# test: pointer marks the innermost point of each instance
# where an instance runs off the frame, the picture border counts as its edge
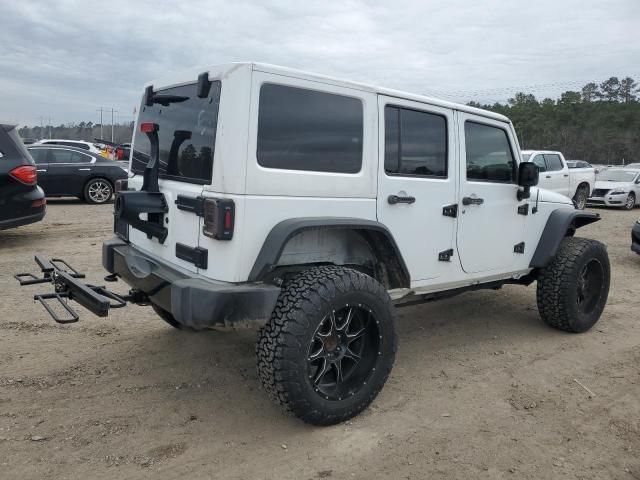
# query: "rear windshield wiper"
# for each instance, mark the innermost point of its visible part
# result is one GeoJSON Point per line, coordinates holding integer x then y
{"type": "Point", "coordinates": [165, 100]}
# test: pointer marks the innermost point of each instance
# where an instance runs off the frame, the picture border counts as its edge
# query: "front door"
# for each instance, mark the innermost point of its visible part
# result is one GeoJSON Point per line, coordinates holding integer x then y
{"type": "Point", "coordinates": [556, 174]}
{"type": "Point", "coordinates": [489, 225]}
{"type": "Point", "coordinates": [68, 171]}
{"type": "Point", "coordinates": [416, 180]}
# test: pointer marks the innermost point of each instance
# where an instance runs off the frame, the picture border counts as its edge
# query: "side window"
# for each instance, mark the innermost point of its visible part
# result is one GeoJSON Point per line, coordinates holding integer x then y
{"type": "Point", "coordinates": [489, 155]}
{"type": "Point", "coordinates": [300, 129]}
{"type": "Point", "coordinates": [415, 142]}
{"type": "Point", "coordinates": [57, 155]}
{"type": "Point", "coordinates": [539, 161]}
{"type": "Point", "coordinates": [39, 155]}
{"type": "Point", "coordinates": [553, 162]}
{"type": "Point", "coordinates": [77, 157]}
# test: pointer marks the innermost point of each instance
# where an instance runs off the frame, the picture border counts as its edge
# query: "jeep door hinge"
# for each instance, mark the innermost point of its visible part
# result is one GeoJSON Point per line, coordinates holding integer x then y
{"type": "Point", "coordinates": [519, 248]}
{"type": "Point", "coordinates": [450, 210]}
{"type": "Point", "coordinates": [445, 256]}
{"type": "Point", "coordinates": [523, 209]}
{"type": "Point", "coordinates": [191, 204]}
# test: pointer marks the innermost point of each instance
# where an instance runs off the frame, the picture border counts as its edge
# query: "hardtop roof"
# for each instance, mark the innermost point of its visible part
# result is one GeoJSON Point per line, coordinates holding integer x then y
{"type": "Point", "coordinates": [227, 68]}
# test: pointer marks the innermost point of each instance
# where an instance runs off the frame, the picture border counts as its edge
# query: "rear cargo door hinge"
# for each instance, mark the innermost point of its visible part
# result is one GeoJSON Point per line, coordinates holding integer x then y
{"type": "Point", "coordinates": [450, 210]}
{"type": "Point", "coordinates": [198, 256]}
{"type": "Point", "coordinates": [519, 248]}
{"type": "Point", "coordinates": [191, 204]}
{"type": "Point", "coordinates": [445, 256]}
{"type": "Point", "coordinates": [523, 209]}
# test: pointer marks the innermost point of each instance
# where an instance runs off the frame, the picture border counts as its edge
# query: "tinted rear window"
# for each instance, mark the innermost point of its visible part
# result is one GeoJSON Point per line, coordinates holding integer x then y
{"type": "Point", "coordinates": [300, 129]}
{"type": "Point", "coordinates": [187, 134]}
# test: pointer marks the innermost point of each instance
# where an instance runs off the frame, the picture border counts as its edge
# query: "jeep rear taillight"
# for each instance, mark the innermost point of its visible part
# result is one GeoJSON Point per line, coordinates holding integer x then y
{"type": "Point", "coordinates": [26, 174]}
{"type": "Point", "coordinates": [219, 218]}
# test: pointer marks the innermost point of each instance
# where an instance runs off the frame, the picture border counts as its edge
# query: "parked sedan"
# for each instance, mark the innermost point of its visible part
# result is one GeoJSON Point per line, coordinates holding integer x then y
{"type": "Point", "coordinates": [21, 200]}
{"type": "Point", "coordinates": [617, 187]}
{"type": "Point", "coordinates": [67, 171]}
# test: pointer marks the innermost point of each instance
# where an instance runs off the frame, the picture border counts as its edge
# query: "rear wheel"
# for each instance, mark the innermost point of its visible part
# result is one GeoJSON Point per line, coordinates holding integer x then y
{"type": "Point", "coordinates": [630, 203]}
{"type": "Point", "coordinates": [572, 290]}
{"type": "Point", "coordinates": [580, 198]}
{"type": "Point", "coordinates": [98, 190]}
{"type": "Point", "coordinates": [329, 346]}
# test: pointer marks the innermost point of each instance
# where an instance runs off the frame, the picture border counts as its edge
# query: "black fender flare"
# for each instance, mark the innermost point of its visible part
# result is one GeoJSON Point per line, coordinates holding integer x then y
{"type": "Point", "coordinates": [561, 223]}
{"type": "Point", "coordinates": [282, 232]}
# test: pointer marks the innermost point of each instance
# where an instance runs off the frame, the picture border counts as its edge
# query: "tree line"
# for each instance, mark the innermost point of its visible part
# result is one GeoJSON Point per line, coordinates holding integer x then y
{"type": "Point", "coordinates": [599, 123]}
{"type": "Point", "coordinates": [88, 131]}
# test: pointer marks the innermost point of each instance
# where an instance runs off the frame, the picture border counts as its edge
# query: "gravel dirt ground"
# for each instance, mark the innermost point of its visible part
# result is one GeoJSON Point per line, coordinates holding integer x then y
{"type": "Point", "coordinates": [480, 389]}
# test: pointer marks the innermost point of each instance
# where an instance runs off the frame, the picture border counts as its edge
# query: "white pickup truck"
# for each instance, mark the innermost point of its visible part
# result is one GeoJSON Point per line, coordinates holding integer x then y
{"type": "Point", "coordinates": [555, 175]}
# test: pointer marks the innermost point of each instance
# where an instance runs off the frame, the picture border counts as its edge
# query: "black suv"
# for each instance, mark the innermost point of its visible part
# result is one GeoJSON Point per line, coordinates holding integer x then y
{"type": "Point", "coordinates": [21, 200]}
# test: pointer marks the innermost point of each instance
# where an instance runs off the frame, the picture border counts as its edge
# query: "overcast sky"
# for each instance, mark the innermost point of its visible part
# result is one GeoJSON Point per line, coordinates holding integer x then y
{"type": "Point", "coordinates": [66, 58]}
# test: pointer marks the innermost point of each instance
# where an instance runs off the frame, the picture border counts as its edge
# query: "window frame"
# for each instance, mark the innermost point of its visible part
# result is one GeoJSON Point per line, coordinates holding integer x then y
{"type": "Point", "coordinates": [514, 180]}
{"type": "Point", "coordinates": [562, 164]}
{"type": "Point", "coordinates": [414, 175]}
{"type": "Point", "coordinates": [315, 90]}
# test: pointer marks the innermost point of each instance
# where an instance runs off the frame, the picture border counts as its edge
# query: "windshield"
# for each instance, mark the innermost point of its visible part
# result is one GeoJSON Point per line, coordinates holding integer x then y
{"type": "Point", "coordinates": [618, 175]}
{"type": "Point", "coordinates": [186, 133]}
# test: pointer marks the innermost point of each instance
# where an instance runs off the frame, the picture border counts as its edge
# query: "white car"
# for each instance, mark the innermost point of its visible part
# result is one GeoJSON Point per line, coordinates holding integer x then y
{"type": "Point", "coordinates": [555, 175]}
{"type": "Point", "coordinates": [71, 143]}
{"type": "Point", "coordinates": [316, 206]}
{"type": "Point", "coordinates": [617, 187]}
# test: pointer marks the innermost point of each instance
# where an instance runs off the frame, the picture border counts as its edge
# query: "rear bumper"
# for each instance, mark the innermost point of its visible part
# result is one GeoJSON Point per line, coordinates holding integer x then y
{"type": "Point", "coordinates": [21, 206]}
{"type": "Point", "coordinates": [635, 238]}
{"type": "Point", "coordinates": [193, 300]}
{"type": "Point", "coordinates": [26, 220]}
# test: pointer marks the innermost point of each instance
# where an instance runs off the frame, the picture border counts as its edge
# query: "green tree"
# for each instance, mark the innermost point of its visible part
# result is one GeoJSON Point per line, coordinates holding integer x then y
{"type": "Point", "coordinates": [628, 90]}
{"type": "Point", "coordinates": [610, 89]}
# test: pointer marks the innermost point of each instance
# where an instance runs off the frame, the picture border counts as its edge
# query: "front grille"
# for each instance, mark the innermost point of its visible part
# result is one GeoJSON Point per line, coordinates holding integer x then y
{"type": "Point", "coordinates": [591, 201]}
{"type": "Point", "coordinates": [599, 192]}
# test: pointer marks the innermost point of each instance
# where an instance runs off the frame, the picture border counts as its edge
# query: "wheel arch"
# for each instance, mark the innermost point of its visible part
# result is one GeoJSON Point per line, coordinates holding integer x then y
{"type": "Point", "coordinates": [391, 269]}
{"type": "Point", "coordinates": [561, 223]}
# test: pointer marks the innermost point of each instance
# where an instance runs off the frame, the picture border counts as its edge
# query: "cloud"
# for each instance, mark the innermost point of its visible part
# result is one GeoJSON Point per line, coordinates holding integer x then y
{"type": "Point", "coordinates": [69, 57]}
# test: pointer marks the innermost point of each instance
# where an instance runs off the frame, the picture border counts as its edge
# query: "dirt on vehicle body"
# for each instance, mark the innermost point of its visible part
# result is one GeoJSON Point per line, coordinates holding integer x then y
{"type": "Point", "coordinates": [481, 387]}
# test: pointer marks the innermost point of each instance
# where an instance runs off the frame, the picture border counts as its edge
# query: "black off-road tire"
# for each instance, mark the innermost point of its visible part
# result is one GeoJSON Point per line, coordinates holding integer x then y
{"type": "Point", "coordinates": [559, 285]}
{"type": "Point", "coordinates": [580, 198]}
{"type": "Point", "coordinates": [283, 346]}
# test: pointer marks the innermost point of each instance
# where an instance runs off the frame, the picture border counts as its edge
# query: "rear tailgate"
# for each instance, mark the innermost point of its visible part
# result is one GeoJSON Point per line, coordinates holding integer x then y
{"type": "Point", "coordinates": [186, 127]}
{"type": "Point", "coordinates": [13, 154]}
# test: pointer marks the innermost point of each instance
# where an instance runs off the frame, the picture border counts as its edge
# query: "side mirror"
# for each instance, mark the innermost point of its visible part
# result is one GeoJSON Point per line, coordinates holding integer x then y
{"type": "Point", "coordinates": [528, 175]}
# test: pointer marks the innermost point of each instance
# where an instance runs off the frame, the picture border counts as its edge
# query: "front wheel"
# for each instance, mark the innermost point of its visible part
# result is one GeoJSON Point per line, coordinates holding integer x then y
{"type": "Point", "coordinates": [98, 190]}
{"type": "Point", "coordinates": [580, 198]}
{"type": "Point", "coordinates": [329, 346]}
{"type": "Point", "coordinates": [572, 290]}
{"type": "Point", "coordinates": [630, 203]}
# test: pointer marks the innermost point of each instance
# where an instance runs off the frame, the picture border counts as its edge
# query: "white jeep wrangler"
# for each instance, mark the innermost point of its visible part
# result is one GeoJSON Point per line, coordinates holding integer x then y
{"type": "Point", "coordinates": [318, 205]}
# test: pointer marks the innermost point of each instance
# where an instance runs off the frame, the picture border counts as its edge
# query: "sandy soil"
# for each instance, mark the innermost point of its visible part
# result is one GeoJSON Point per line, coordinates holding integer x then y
{"type": "Point", "coordinates": [481, 388]}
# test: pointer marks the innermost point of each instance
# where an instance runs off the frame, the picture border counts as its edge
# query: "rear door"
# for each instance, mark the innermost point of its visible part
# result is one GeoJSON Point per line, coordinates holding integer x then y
{"type": "Point", "coordinates": [187, 132]}
{"type": "Point", "coordinates": [489, 225]}
{"type": "Point", "coordinates": [556, 174]}
{"type": "Point", "coordinates": [416, 182]}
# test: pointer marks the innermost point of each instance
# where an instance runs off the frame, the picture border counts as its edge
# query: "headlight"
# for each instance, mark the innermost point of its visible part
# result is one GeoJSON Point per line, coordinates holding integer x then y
{"type": "Point", "coordinates": [618, 190]}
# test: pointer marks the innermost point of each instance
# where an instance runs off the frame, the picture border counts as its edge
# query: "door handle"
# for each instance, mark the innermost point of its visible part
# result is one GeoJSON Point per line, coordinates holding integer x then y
{"type": "Point", "coordinates": [566, 174]}
{"type": "Point", "coordinates": [84, 169]}
{"type": "Point", "coordinates": [393, 199]}
{"type": "Point", "coordinates": [472, 201]}
{"type": "Point", "coordinates": [548, 176]}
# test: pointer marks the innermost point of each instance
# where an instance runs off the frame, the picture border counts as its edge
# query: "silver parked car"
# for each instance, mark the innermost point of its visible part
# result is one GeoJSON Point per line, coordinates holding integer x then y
{"type": "Point", "coordinates": [617, 187]}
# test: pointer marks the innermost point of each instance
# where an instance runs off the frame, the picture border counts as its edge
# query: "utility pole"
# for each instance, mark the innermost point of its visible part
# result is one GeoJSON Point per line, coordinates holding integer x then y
{"type": "Point", "coordinates": [41, 127]}
{"type": "Point", "coordinates": [112, 110]}
{"type": "Point", "coordinates": [101, 133]}
{"type": "Point", "coordinates": [49, 127]}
